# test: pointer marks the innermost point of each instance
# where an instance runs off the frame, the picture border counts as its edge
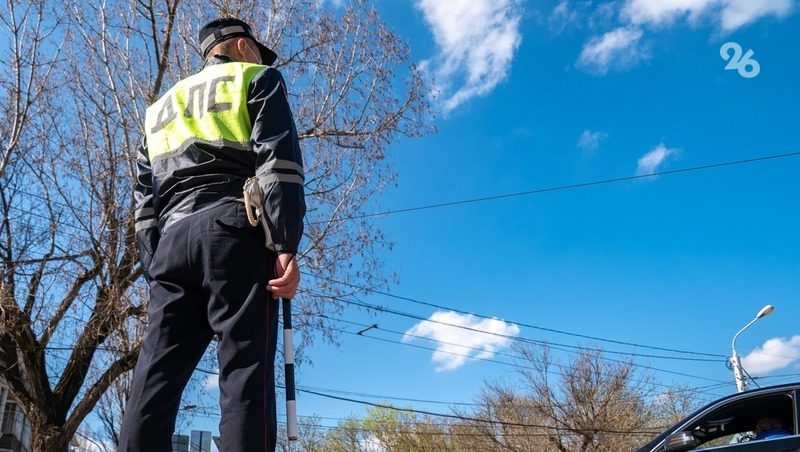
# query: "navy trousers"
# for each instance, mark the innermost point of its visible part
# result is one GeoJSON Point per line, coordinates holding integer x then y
{"type": "Point", "coordinates": [209, 276]}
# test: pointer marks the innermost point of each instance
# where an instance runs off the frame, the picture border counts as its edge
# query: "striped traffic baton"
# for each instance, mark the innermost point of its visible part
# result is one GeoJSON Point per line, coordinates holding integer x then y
{"type": "Point", "coordinates": [288, 361]}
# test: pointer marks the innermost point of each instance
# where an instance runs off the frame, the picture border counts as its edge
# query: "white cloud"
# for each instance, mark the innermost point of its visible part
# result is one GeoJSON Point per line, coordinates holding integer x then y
{"type": "Point", "coordinates": [730, 14]}
{"type": "Point", "coordinates": [664, 12]}
{"type": "Point", "coordinates": [563, 16]}
{"type": "Point", "coordinates": [455, 344]}
{"type": "Point", "coordinates": [624, 46]}
{"type": "Point", "coordinates": [589, 141]}
{"type": "Point", "coordinates": [211, 382]}
{"type": "Point", "coordinates": [776, 353]}
{"type": "Point", "coordinates": [649, 163]}
{"type": "Point", "coordinates": [738, 13]}
{"type": "Point", "coordinates": [581, 14]}
{"type": "Point", "coordinates": [563, 12]}
{"type": "Point", "coordinates": [476, 42]}
{"type": "Point", "coordinates": [617, 49]}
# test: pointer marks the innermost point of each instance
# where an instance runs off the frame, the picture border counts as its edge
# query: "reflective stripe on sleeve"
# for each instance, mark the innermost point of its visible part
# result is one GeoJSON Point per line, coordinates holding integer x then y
{"type": "Point", "coordinates": [280, 177]}
{"type": "Point", "coordinates": [144, 212]}
{"type": "Point", "coordinates": [146, 224]}
{"type": "Point", "coordinates": [283, 164]}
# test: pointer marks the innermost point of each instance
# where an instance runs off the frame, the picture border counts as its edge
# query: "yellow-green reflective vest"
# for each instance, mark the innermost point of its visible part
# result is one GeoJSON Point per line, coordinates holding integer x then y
{"type": "Point", "coordinates": [209, 106]}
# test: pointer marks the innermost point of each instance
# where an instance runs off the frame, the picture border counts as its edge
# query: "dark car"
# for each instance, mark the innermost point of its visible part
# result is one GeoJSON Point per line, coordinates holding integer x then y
{"type": "Point", "coordinates": [728, 424]}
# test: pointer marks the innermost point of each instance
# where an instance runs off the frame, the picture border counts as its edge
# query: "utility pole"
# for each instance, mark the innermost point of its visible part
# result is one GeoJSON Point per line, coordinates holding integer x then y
{"type": "Point", "coordinates": [736, 363]}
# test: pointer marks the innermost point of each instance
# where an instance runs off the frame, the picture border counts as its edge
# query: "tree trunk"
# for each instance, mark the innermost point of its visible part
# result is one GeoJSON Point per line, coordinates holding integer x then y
{"type": "Point", "coordinates": [49, 438]}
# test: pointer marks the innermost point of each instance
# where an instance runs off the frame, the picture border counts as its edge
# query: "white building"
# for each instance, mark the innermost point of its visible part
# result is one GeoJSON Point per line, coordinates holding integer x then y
{"type": "Point", "coordinates": [15, 428]}
{"type": "Point", "coordinates": [199, 441]}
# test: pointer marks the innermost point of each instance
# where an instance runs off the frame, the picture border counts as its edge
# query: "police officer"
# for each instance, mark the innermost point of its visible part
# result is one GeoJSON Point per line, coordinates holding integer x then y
{"type": "Point", "coordinates": [209, 270]}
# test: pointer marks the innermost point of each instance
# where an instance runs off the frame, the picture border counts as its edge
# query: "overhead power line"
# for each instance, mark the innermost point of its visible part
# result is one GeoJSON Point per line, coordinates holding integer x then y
{"type": "Point", "coordinates": [512, 356]}
{"type": "Point", "coordinates": [520, 366]}
{"type": "Point", "coordinates": [550, 344]}
{"type": "Point", "coordinates": [480, 420]}
{"type": "Point", "coordinates": [696, 389]}
{"type": "Point", "coordinates": [527, 325]}
{"type": "Point", "coordinates": [670, 390]}
{"type": "Point", "coordinates": [537, 191]}
{"type": "Point", "coordinates": [514, 194]}
{"type": "Point", "coordinates": [421, 433]}
{"type": "Point", "coordinates": [390, 397]}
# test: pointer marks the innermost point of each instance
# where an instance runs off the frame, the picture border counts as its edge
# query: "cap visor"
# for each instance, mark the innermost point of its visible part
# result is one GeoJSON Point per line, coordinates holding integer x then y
{"type": "Point", "coordinates": [267, 56]}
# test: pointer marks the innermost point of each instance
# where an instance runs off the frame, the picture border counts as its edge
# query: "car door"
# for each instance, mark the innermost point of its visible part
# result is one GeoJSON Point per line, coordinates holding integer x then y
{"type": "Point", "coordinates": [786, 444]}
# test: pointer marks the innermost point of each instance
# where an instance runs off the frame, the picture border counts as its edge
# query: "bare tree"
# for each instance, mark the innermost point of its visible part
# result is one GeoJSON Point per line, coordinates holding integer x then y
{"type": "Point", "coordinates": [60, 254]}
{"type": "Point", "coordinates": [74, 89]}
{"type": "Point", "coordinates": [311, 437]}
{"type": "Point", "coordinates": [33, 50]}
{"type": "Point", "coordinates": [591, 404]}
{"type": "Point", "coordinates": [386, 429]}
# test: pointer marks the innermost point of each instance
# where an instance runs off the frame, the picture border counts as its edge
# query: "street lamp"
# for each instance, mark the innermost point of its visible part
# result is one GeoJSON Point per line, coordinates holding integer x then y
{"type": "Point", "coordinates": [738, 372]}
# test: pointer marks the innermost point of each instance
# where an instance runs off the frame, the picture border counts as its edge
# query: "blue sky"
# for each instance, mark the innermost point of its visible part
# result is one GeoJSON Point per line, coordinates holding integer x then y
{"type": "Point", "coordinates": [542, 94]}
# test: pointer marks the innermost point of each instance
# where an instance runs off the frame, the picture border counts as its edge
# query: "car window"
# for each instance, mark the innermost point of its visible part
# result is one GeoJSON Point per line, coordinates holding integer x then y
{"type": "Point", "coordinates": [735, 422]}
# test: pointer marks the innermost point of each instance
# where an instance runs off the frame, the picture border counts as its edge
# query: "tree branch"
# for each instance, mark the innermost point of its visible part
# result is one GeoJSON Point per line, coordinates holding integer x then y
{"type": "Point", "coordinates": [69, 298]}
{"type": "Point", "coordinates": [93, 394]}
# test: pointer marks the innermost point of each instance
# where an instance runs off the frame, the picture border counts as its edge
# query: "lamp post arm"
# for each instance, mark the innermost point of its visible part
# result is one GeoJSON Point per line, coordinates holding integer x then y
{"type": "Point", "coordinates": [733, 343]}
